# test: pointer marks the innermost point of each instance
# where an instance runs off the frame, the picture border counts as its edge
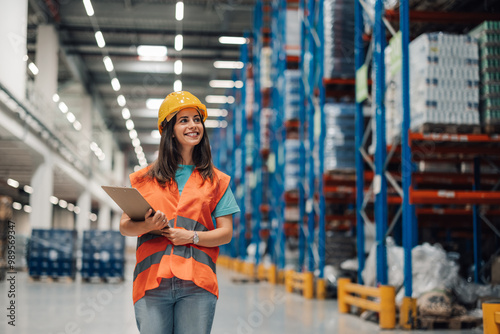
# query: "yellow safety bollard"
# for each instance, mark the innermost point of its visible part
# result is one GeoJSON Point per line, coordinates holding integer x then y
{"type": "Point", "coordinates": [281, 276]}
{"type": "Point", "coordinates": [261, 271]}
{"type": "Point", "coordinates": [271, 274]}
{"type": "Point", "coordinates": [408, 313]}
{"type": "Point", "coordinates": [289, 281]}
{"type": "Point", "coordinates": [491, 317]}
{"type": "Point", "coordinates": [321, 289]}
{"type": "Point", "coordinates": [308, 285]}
{"type": "Point", "coordinates": [342, 294]}
{"type": "Point", "coordinates": [387, 307]}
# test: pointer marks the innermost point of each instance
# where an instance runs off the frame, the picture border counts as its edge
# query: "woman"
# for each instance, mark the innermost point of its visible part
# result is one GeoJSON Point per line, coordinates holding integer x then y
{"type": "Point", "coordinates": [175, 286]}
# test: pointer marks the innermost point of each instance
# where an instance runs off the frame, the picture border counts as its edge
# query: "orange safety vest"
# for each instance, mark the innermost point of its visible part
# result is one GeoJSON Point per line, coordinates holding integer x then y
{"type": "Point", "coordinates": [156, 256]}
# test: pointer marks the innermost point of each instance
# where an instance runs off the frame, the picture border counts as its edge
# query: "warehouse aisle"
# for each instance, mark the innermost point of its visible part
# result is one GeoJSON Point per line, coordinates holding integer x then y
{"type": "Point", "coordinates": [243, 308]}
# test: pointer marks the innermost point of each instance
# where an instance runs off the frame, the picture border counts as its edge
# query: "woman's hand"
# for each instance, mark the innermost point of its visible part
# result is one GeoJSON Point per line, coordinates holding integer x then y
{"type": "Point", "coordinates": [156, 222]}
{"type": "Point", "coordinates": [178, 236]}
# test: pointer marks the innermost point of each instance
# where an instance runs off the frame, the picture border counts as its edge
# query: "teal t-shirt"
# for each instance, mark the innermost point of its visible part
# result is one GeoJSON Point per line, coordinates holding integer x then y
{"type": "Point", "coordinates": [227, 204]}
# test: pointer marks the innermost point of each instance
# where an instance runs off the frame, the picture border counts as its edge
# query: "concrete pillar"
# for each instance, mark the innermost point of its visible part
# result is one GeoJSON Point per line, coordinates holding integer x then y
{"type": "Point", "coordinates": [104, 217]}
{"type": "Point", "coordinates": [107, 148]}
{"type": "Point", "coordinates": [42, 182]}
{"type": "Point", "coordinates": [85, 118]}
{"type": "Point", "coordinates": [82, 219]}
{"type": "Point", "coordinates": [119, 167]}
{"type": "Point", "coordinates": [47, 55]}
{"type": "Point", "coordinates": [115, 221]}
{"type": "Point", "coordinates": [13, 24]}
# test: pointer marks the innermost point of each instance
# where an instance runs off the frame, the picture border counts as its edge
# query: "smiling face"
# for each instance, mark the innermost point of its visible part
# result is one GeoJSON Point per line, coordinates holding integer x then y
{"type": "Point", "coordinates": [188, 128]}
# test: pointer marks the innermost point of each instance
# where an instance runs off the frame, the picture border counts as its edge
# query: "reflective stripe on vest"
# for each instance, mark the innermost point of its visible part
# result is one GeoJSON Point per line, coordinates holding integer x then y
{"type": "Point", "coordinates": [156, 257]}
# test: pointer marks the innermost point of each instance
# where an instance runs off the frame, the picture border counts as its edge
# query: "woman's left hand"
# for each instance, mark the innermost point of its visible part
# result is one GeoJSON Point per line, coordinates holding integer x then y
{"type": "Point", "coordinates": [178, 236]}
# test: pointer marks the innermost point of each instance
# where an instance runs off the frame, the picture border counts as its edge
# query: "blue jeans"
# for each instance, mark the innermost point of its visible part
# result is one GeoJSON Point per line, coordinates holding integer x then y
{"type": "Point", "coordinates": [176, 306]}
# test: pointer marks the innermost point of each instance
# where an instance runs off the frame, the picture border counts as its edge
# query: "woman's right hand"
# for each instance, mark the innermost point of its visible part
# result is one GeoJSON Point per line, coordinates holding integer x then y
{"type": "Point", "coordinates": [156, 222]}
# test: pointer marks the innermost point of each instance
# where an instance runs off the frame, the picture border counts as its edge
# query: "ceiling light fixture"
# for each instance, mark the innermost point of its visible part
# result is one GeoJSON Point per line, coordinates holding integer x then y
{"type": "Point", "coordinates": [220, 99]}
{"type": "Point", "coordinates": [100, 39]}
{"type": "Point", "coordinates": [132, 134]}
{"type": "Point", "coordinates": [129, 124]}
{"type": "Point", "coordinates": [28, 189]}
{"type": "Point", "coordinates": [77, 125]}
{"type": "Point", "coordinates": [177, 86]}
{"type": "Point", "coordinates": [27, 209]}
{"type": "Point", "coordinates": [228, 64]}
{"type": "Point", "coordinates": [55, 98]}
{"type": "Point", "coordinates": [179, 11]}
{"type": "Point", "coordinates": [136, 142]}
{"type": "Point", "coordinates": [233, 40]}
{"type": "Point", "coordinates": [63, 107]}
{"type": "Point", "coordinates": [178, 67]}
{"type": "Point", "coordinates": [217, 112]}
{"type": "Point", "coordinates": [108, 63]}
{"type": "Point", "coordinates": [17, 206]}
{"type": "Point", "coordinates": [115, 84]}
{"type": "Point", "coordinates": [121, 100]}
{"type": "Point", "coordinates": [179, 42]}
{"type": "Point", "coordinates": [88, 7]}
{"type": "Point", "coordinates": [54, 200]}
{"type": "Point", "coordinates": [13, 183]}
{"type": "Point", "coordinates": [125, 113]}
{"type": "Point", "coordinates": [155, 134]}
{"type": "Point", "coordinates": [33, 68]}
{"type": "Point", "coordinates": [152, 52]}
{"type": "Point", "coordinates": [154, 104]}
{"type": "Point", "coordinates": [225, 84]}
{"type": "Point", "coordinates": [71, 117]}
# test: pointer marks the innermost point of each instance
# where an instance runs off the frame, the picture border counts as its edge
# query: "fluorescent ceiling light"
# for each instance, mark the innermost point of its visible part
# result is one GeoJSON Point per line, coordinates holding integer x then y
{"type": "Point", "coordinates": [101, 156]}
{"type": "Point", "coordinates": [152, 52]}
{"type": "Point", "coordinates": [71, 207]}
{"type": "Point", "coordinates": [178, 67]}
{"type": "Point", "coordinates": [13, 183]}
{"type": "Point", "coordinates": [221, 99]}
{"type": "Point", "coordinates": [76, 210]}
{"type": "Point", "coordinates": [115, 84]}
{"type": "Point", "coordinates": [217, 112]}
{"type": "Point", "coordinates": [27, 209]}
{"type": "Point", "coordinates": [25, 58]}
{"type": "Point", "coordinates": [77, 125]}
{"type": "Point", "coordinates": [125, 113]}
{"type": "Point", "coordinates": [55, 98]}
{"type": "Point", "coordinates": [100, 39]}
{"type": "Point", "coordinates": [71, 117]}
{"type": "Point", "coordinates": [138, 149]}
{"type": "Point", "coordinates": [33, 68]}
{"type": "Point", "coordinates": [88, 7]}
{"type": "Point", "coordinates": [179, 11]}
{"type": "Point", "coordinates": [155, 134]}
{"type": "Point", "coordinates": [154, 104]}
{"type": "Point", "coordinates": [177, 86]}
{"type": "Point", "coordinates": [141, 156]}
{"type": "Point", "coordinates": [129, 124]}
{"type": "Point", "coordinates": [63, 107]}
{"type": "Point", "coordinates": [136, 142]}
{"type": "Point", "coordinates": [93, 217]}
{"type": "Point", "coordinates": [225, 84]}
{"type": "Point", "coordinates": [232, 40]}
{"type": "Point", "coordinates": [28, 189]}
{"type": "Point", "coordinates": [108, 64]}
{"type": "Point", "coordinates": [54, 200]}
{"type": "Point", "coordinates": [17, 206]}
{"type": "Point", "coordinates": [179, 42]}
{"type": "Point", "coordinates": [93, 146]}
{"type": "Point", "coordinates": [121, 100]}
{"type": "Point", "coordinates": [63, 204]}
{"type": "Point", "coordinates": [132, 134]}
{"type": "Point", "coordinates": [228, 64]}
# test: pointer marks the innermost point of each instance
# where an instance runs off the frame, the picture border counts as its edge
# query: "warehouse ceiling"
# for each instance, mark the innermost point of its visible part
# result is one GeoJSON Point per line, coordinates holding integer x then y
{"type": "Point", "coordinates": [127, 24]}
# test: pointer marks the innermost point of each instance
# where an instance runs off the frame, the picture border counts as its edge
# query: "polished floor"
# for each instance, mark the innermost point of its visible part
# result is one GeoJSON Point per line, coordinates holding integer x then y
{"type": "Point", "coordinates": [243, 308]}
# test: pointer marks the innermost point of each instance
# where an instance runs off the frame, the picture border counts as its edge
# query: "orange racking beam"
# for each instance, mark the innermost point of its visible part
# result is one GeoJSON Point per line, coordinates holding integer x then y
{"type": "Point", "coordinates": [444, 17]}
{"type": "Point", "coordinates": [453, 197]}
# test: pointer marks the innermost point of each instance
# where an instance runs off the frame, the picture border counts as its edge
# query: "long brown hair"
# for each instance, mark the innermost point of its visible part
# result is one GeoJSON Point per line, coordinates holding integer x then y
{"type": "Point", "coordinates": [169, 156]}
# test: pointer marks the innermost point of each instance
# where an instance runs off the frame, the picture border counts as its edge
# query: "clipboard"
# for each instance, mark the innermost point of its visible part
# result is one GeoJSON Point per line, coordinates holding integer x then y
{"type": "Point", "coordinates": [130, 201]}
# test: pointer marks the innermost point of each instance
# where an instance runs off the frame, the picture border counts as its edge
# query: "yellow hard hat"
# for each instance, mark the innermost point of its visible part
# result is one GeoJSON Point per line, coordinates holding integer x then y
{"type": "Point", "coordinates": [175, 102]}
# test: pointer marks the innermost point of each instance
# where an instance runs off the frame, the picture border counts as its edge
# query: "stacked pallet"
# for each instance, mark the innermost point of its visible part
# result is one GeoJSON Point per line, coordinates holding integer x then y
{"type": "Point", "coordinates": [51, 253]}
{"type": "Point", "coordinates": [444, 83]}
{"type": "Point", "coordinates": [339, 140]}
{"type": "Point", "coordinates": [488, 37]}
{"type": "Point", "coordinates": [103, 255]}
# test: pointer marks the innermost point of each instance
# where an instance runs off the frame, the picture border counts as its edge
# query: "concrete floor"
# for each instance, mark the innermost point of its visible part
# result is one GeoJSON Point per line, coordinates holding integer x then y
{"type": "Point", "coordinates": [243, 308]}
